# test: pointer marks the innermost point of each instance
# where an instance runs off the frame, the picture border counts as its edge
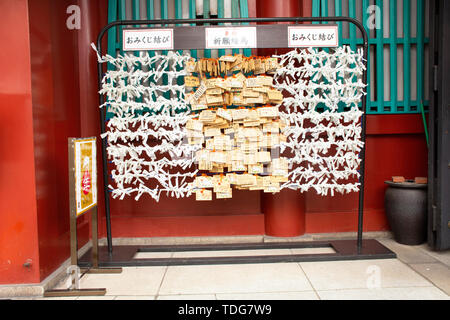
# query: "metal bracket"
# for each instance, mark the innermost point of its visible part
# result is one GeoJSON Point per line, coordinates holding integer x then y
{"type": "Point", "coordinates": [74, 289]}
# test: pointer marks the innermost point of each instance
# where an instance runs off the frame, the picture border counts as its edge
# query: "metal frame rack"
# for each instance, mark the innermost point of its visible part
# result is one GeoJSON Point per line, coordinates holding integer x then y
{"type": "Point", "coordinates": [344, 249]}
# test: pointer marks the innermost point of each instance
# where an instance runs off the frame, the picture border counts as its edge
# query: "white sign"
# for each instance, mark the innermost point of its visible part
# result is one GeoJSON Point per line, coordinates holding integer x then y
{"type": "Point", "coordinates": [147, 39]}
{"type": "Point", "coordinates": [313, 36]}
{"type": "Point", "coordinates": [232, 37]}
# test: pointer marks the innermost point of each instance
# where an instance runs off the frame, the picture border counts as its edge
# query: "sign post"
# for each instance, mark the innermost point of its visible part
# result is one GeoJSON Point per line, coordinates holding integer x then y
{"type": "Point", "coordinates": [82, 199]}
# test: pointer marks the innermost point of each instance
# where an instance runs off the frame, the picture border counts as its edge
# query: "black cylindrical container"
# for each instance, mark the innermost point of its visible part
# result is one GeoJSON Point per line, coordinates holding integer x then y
{"type": "Point", "coordinates": [406, 210]}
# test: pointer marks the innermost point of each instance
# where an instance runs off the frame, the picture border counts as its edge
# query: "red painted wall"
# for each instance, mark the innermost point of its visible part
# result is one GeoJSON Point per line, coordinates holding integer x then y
{"type": "Point", "coordinates": [56, 117]}
{"type": "Point", "coordinates": [93, 19]}
{"type": "Point", "coordinates": [47, 94]}
{"type": "Point", "coordinates": [18, 227]}
{"type": "Point", "coordinates": [64, 105]}
{"type": "Point", "coordinates": [395, 145]}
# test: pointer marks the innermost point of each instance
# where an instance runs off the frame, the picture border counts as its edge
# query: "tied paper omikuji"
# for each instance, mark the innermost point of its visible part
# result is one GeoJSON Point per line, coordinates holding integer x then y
{"type": "Point", "coordinates": [182, 126]}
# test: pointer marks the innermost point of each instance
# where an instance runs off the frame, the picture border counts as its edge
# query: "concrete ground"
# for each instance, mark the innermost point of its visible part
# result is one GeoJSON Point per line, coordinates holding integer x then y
{"type": "Point", "coordinates": [417, 273]}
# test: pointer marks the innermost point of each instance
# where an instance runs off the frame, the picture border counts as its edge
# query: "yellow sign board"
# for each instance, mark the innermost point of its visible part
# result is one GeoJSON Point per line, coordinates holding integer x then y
{"type": "Point", "coordinates": [85, 174]}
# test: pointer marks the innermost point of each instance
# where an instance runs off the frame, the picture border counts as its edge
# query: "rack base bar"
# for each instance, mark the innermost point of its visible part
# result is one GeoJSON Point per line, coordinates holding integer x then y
{"type": "Point", "coordinates": [75, 293]}
{"type": "Point", "coordinates": [123, 256]}
{"type": "Point", "coordinates": [101, 270]}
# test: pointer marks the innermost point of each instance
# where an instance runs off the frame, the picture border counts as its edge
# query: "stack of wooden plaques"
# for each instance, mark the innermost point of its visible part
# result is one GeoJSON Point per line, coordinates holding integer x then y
{"type": "Point", "coordinates": [239, 129]}
{"type": "Point", "coordinates": [232, 63]}
{"type": "Point", "coordinates": [236, 90]}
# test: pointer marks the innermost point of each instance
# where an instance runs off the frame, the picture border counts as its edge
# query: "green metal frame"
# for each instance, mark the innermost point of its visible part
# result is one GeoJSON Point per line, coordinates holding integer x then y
{"type": "Point", "coordinates": [378, 104]}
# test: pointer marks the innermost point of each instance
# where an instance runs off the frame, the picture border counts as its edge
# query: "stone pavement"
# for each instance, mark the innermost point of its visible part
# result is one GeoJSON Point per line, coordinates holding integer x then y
{"type": "Point", "coordinates": [418, 273]}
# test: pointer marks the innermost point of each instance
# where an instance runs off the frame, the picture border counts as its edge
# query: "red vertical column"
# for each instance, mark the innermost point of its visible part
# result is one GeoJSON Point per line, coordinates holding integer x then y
{"type": "Point", "coordinates": [19, 251]}
{"type": "Point", "coordinates": [93, 18]}
{"type": "Point", "coordinates": [284, 212]}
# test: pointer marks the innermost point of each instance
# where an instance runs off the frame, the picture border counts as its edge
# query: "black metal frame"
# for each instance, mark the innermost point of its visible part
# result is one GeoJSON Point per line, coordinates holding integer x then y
{"type": "Point", "coordinates": [124, 256]}
{"type": "Point", "coordinates": [350, 250]}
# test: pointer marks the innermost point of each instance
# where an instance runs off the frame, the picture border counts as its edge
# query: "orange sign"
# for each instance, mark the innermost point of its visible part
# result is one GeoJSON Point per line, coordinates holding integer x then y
{"type": "Point", "coordinates": [85, 174]}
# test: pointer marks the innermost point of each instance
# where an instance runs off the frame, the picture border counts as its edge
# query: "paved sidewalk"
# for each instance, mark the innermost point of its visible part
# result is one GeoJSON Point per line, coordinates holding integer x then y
{"type": "Point", "coordinates": [417, 273]}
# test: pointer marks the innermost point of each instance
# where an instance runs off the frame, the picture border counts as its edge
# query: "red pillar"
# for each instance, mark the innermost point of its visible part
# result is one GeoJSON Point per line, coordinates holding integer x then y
{"type": "Point", "coordinates": [19, 251]}
{"type": "Point", "coordinates": [284, 212]}
{"type": "Point", "coordinates": [276, 8]}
